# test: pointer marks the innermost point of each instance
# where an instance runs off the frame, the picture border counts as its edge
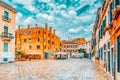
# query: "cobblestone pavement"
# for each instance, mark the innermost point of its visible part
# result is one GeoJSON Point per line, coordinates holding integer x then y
{"type": "Point", "coordinates": [70, 69]}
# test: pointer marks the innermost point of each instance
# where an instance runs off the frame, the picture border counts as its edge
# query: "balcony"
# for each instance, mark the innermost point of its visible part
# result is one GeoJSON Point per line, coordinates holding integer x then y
{"type": "Point", "coordinates": [6, 36]}
{"type": "Point", "coordinates": [116, 12]}
{"type": "Point", "coordinates": [6, 18]}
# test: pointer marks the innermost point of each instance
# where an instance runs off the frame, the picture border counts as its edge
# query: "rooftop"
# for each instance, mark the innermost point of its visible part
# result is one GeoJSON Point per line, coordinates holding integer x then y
{"type": "Point", "coordinates": [7, 6]}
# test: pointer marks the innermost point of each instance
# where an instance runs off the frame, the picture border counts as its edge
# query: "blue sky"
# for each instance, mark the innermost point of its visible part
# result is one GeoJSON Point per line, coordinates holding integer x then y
{"type": "Point", "coordinates": [70, 18]}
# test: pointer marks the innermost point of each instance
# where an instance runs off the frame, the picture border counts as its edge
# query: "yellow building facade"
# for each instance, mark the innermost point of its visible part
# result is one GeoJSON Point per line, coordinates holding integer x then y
{"type": "Point", "coordinates": [37, 40]}
{"type": "Point", "coordinates": [7, 32]}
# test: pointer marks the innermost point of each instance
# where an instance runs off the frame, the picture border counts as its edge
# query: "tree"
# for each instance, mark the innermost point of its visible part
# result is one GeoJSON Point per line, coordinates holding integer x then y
{"type": "Point", "coordinates": [81, 50]}
{"type": "Point", "coordinates": [19, 53]}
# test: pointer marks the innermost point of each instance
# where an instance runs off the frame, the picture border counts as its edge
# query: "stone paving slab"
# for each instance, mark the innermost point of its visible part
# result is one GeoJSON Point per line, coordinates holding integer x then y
{"type": "Point", "coordinates": [70, 69]}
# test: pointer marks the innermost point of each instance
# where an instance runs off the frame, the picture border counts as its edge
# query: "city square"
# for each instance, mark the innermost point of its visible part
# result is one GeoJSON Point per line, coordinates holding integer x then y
{"type": "Point", "coordinates": [69, 69]}
{"type": "Point", "coordinates": [59, 39]}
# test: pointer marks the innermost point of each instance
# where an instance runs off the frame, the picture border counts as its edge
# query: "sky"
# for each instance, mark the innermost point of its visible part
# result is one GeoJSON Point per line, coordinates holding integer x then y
{"type": "Point", "coordinates": [70, 18]}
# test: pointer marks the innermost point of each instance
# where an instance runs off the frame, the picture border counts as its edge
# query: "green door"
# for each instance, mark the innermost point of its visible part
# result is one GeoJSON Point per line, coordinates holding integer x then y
{"type": "Point", "coordinates": [5, 47]}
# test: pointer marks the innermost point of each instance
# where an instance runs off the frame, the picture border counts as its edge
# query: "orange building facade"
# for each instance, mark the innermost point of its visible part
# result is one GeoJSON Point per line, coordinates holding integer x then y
{"type": "Point", "coordinates": [37, 41]}
{"type": "Point", "coordinates": [80, 40]}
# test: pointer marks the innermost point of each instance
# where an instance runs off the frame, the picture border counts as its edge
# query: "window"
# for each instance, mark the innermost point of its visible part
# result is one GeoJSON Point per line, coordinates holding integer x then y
{"type": "Point", "coordinates": [25, 33]}
{"type": "Point", "coordinates": [49, 35]}
{"type": "Point", "coordinates": [24, 40]}
{"type": "Point", "coordinates": [104, 46]}
{"type": "Point", "coordinates": [20, 33]}
{"type": "Point", "coordinates": [101, 53]}
{"type": "Point", "coordinates": [44, 47]}
{"type": "Point", "coordinates": [38, 40]}
{"type": "Point", "coordinates": [5, 59]}
{"type": "Point", "coordinates": [64, 46]}
{"type": "Point", "coordinates": [44, 40]}
{"type": "Point", "coordinates": [38, 32]}
{"type": "Point", "coordinates": [118, 58]}
{"type": "Point", "coordinates": [71, 46]}
{"type": "Point", "coordinates": [38, 46]}
{"type": "Point", "coordinates": [48, 41]}
{"type": "Point", "coordinates": [109, 61]}
{"type": "Point", "coordinates": [52, 36]}
{"type": "Point", "coordinates": [30, 40]}
{"type": "Point", "coordinates": [30, 32]}
{"type": "Point", "coordinates": [30, 47]}
{"type": "Point", "coordinates": [117, 2]}
{"type": "Point", "coordinates": [6, 15]}
{"type": "Point", "coordinates": [104, 59]}
{"type": "Point", "coordinates": [99, 34]}
{"type": "Point", "coordinates": [110, 13]}
{"type": "Point", "coordinates": [5, 47]}
{"type": "Point", "coordinates": [53, 43]}
{"type": "Point", "coordinates": [5, 29]}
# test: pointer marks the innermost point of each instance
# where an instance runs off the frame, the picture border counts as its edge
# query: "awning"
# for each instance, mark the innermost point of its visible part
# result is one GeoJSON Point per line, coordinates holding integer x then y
{"type": "Point", "coordinates": [48, 53]}
{"type": "Point", "coordinates": [35, 52]}
{"type": "Point", "coordinates": [60, 53]}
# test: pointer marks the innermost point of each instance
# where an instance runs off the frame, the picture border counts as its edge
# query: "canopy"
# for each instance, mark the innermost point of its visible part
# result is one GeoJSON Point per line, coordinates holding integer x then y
{"type": "Point", "coordinates": [60, 53]}
{"type": "Point", "coordinates": [47, 53]}
{"type": "Point", "coordinates": [34, 52]}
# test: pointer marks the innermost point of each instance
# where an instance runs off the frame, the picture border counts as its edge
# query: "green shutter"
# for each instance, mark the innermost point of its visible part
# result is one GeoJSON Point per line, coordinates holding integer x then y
{"type": "Point", "coordinates": [6, 29]}
{"type": "Point", "coordinates": [6, 15]}
{"type": "Point", "coordinates": [5, 47]}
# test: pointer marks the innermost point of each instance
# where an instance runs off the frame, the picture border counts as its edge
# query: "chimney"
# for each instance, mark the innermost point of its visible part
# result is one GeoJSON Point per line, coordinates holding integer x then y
{"type": "Point", "coordinates": [19, 27]}
{"type": "Point", "coordinates": [46, 26]}
{"type": "Point", "coordinates": [28, 26]}
{"type": "Point", "coordinates": [54, 31]}
{"type": "Point", "coordinates": [50, 29]}
{"type": "Point", "coordinates": [36, 25]}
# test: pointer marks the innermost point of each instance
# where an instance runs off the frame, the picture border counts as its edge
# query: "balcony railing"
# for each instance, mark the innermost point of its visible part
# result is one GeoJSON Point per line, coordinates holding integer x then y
{"type": "Point", "coordinates": [7, 36]}
{"type": "Point", "coordinates": [6, 18]}
{"type": "Point", "coordinates": [116, 12]}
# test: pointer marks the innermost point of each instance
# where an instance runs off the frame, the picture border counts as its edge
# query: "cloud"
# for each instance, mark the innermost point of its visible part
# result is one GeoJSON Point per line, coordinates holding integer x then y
{"type": "Point", "coordinates": [46, 1]}
{"type": "Point", "coordinates": [23, 2]}
{"type": "Point", "coordinates": [45, 16]}
{"type": "Point", "coordinates": [73, 18]}
{"type": "Point", "coordinates": [29, 21]}
{"type": "Point", "coordinates": [70, 14]}
{"type": "Point", "coordinates": [75, 30]}
{"type": "Point", "coordinates": [27, 4]}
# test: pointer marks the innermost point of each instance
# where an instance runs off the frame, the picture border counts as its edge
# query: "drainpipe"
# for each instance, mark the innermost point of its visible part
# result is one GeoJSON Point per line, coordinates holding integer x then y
{"type": "Point", "coordinates": [115, 56]}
